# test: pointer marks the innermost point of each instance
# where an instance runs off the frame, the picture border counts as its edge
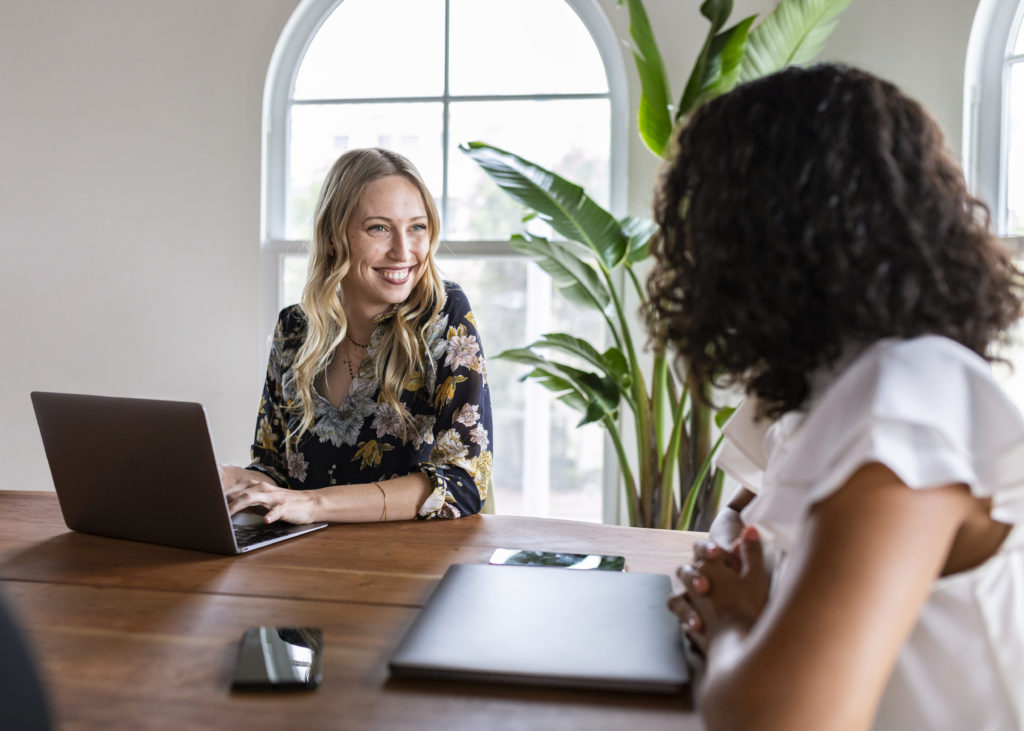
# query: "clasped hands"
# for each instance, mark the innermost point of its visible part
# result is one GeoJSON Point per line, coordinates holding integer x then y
{"type": "Point", "coordinates": [722, 587]}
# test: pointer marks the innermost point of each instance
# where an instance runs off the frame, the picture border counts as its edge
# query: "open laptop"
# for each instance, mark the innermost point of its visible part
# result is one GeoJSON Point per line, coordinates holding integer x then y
{"type": "Point", "coordinates": [536, 625]}
{"type": "Point", "coordinates": [144, 470]}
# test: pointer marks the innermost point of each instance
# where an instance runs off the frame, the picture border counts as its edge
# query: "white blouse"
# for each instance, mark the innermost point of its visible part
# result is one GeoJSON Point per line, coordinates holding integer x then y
{"type": "Point", "coordinates": [929, 409]}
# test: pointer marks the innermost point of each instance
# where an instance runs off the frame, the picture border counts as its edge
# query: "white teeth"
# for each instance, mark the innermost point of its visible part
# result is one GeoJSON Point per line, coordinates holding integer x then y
{"type": "Point", "coordinates": [395, 276]}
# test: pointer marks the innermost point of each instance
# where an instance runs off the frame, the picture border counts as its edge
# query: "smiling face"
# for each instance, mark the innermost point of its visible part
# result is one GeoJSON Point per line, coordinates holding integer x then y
{"type": "Point", "coordinates": [389, 242]}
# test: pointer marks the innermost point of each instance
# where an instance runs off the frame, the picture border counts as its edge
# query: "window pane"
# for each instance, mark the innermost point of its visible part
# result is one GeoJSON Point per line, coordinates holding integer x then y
{"type": "Point", "coordinates": [1015, 153]}
{"type": "Point", "coordinates": [293, 278]}
{"type": "Point", "coordinates": [320, 133]}
{"type": "Point", "coordinates": [374, 49]}
{"type": "Point", "coordinates": [522, 47]}
{"type": "Point", "coordinates": [1018, 47]}
{"type": "Point", "coordinates": [571, 138]}
{"type": "Point", "coordinates": [536, 440]}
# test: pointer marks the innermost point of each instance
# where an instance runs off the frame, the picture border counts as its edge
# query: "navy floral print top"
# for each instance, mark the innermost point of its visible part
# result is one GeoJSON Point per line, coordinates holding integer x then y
{"type": "Point", "coordinates": [362, 441]}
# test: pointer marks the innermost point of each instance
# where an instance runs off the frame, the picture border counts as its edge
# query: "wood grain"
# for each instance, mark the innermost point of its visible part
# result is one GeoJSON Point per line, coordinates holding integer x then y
{"type": "Point", "coordinates": [131, 635]}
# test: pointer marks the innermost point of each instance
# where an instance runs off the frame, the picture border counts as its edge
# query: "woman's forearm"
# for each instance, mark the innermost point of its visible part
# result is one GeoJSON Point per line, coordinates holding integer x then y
{"type": "Point", "coordinates": [399, 498]}
{"type": "Point", "coordinates": [721, 696]}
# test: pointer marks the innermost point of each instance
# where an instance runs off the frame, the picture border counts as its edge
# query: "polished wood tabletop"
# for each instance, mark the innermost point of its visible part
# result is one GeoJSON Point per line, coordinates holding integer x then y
{"type": "Point", "coordinates": [133, 635]}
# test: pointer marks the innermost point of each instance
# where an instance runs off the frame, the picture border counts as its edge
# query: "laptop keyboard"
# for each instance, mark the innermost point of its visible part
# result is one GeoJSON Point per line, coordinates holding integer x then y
{"type": "Point", "coordinates": [246, 535]}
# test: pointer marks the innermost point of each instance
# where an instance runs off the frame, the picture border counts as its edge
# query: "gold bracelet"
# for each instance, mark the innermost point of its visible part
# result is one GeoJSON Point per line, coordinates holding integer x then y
{"type": "Point", "coordinates": [384, 495]}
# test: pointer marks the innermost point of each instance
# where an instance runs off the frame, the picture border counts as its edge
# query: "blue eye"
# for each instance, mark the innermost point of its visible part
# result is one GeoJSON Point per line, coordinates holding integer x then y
{"type": "Point", "coordinates": [376, 227]}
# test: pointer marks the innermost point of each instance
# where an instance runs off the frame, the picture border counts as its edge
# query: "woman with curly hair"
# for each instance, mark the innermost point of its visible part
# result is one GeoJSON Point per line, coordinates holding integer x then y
{"type": "Point", "coordinates": [376, 405]}
{"type": "Point", "coordinates": [819, 248]}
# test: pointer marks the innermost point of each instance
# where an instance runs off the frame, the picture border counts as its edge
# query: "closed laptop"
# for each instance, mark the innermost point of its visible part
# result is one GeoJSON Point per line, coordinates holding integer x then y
{"type": "Point", "coordinates": [547, 626]}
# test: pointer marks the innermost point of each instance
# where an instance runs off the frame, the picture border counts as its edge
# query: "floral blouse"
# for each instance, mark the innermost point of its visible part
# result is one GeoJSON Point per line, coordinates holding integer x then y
{"type": "Point", "coordinates": [362, 441]}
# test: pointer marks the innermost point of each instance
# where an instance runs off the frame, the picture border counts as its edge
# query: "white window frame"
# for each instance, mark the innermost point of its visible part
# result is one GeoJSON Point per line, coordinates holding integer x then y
{"type": "Point", "coordinates": [284, 65]}
{"type": "Point", "coordinates": [986, 83]}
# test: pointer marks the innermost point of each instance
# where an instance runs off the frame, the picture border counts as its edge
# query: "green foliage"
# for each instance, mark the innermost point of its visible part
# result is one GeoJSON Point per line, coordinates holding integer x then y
{"type": "Point", "coordinates": [668, 478]}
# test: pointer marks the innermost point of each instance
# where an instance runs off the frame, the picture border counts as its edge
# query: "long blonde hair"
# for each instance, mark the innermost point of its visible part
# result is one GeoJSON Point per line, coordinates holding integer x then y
{"type": "Point", "coordinates": [401, 349]}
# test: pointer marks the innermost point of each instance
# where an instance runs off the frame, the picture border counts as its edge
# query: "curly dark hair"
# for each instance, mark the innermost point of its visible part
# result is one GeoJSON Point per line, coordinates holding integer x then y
{"type": "Point", "coordinates": [810, 209]}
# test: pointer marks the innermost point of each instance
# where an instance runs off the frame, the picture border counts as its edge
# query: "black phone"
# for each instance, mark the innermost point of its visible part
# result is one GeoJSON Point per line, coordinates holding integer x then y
{"type": "Point", "coordinates": [279, 657]}
{"type": "Point", "coordinates": [523, 557]}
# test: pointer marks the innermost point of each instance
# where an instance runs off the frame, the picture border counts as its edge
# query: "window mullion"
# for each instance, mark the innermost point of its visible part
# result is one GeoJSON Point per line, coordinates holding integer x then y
{"type": "Point", "coordinates": [446, 120]}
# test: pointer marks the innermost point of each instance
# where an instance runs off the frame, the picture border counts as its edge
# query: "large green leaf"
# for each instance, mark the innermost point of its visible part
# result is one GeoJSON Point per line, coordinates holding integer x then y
{"type": "Point", "coordinates": [560, 376]}
{"type": "Point", "coordinates": [793, 33]}
{"type": "Point", "coordinates": [654, 120]}
{"type": "Point", "coordinates": [595, 395]}
{"type": "Point", "coordinates": [564, 205]}
{"type": "Point", "coordinates": [717, 11]}
{"type": "Point", "coordinates": [612, 362]}
{"type": "Point", "coordinates": [639, 231]}
{"type": "Point", "coordinates": [722, 66]}
{"type": "Point", "coordinates": [573, 275]}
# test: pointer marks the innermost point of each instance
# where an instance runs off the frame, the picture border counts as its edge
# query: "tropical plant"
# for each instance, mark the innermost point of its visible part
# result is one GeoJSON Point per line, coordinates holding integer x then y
{"type": "Point", "coordinates": [669, 479]}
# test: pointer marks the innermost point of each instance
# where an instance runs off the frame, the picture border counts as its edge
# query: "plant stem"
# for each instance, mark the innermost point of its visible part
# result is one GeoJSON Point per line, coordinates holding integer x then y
{"type": "Point", "coordinates": [645, 428]}
{"type": "Point", "coordinates": [632, 502]}
{"type": "Point", "coordinates": [668, 497]}
{"type": "Point", "coordinates": [686, 517]}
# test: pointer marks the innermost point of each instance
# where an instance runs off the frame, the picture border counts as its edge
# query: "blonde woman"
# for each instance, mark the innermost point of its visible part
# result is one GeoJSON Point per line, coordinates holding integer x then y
{"type": "Point", "coordinates": [376, 405]}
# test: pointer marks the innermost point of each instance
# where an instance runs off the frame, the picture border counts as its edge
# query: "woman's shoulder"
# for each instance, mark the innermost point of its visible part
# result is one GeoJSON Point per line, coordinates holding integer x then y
{"type": "Point", "coordinates": [456, 309]}
{"type": "Point", "coordinates": [889, 371]}
{"type": "Point", "coordinates": [928, 408]}
{"type": "Point", "coordinates": [290, 332]}
{"type": "Point", "coordinates": [455, 298]}
{"type": "Point", "coordinates": [291, 321]}
{"type": "Point", "coordinates": [929, 352]}
{"type": "Point", "coordinates": [915, 400]}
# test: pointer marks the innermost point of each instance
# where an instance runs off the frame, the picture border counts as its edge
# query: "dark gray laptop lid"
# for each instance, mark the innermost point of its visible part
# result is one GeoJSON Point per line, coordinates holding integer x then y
{"type": "Point", "coordinates": [547, 626]}
{"type": "Point", "coordinates": [139, 469]}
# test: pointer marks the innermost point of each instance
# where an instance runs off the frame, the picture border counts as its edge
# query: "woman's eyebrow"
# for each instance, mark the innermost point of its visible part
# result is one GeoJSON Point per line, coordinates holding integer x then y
{"type": "Point", "coordinates": [389, 219]}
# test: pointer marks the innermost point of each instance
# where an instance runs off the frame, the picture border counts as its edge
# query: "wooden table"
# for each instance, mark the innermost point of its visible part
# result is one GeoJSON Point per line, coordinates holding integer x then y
{"type": "Point", "coordinates": [132, 635]}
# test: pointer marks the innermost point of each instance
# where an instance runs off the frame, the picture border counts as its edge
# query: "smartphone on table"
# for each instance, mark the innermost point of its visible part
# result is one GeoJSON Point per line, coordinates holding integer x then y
{"type": "Point", "coordinates": [279, 657]}
{"type": "Point", "coordinates": [579, 561]}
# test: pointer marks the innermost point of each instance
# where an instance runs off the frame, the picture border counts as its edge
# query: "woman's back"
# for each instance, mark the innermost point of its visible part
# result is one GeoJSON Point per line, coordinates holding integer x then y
{"type": "Point", "coordinates": [929, 410]}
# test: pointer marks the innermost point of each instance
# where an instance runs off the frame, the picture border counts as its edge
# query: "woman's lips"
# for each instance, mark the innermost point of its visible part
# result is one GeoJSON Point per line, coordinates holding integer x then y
{"type": "Point", "coordinates": [395, 276]}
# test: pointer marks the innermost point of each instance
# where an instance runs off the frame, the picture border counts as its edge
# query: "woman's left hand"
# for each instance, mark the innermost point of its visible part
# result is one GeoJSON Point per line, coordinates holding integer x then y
{"type": "Point", "coordinates": [292, 506]}
{"type": "Point", "coordinates": [726, 588]}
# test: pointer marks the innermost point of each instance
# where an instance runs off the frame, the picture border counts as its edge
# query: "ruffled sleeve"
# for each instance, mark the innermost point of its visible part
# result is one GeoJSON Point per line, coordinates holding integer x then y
{"type": "Point", "coordinates": [460, 461]}
{"type": "Point", "coordinates": [269, 452]}
{"type": "Point", "coordinates": [741, 455]}
{"type": "Point", "coordinates": [927, 408]}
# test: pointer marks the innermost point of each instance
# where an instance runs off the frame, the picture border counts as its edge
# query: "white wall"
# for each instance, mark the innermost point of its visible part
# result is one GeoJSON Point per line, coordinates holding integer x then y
{"type": "Point", "coordinates": [129, 187]}
{"type": "Point", "coordinates": [129, 212]}
{"type": "Point", "coordinates": [918, 44]}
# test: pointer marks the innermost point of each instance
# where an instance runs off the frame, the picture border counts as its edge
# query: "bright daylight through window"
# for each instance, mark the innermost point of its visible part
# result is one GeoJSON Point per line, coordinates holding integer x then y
{"type": "Point", "coordinates": [436, 80]}
{"type": "Point", "coordinates": [1014, 96]}
{"type": "Point", "coordinates": [995, 152]}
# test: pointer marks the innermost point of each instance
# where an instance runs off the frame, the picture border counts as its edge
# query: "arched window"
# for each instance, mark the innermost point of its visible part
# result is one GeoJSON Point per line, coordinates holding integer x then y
{"type": "Point", "coordinates": [994, 140]}
{"type": "Point", "coordinates": [541, 78]}
{"type": "Point", "coordinates": [994, 112]}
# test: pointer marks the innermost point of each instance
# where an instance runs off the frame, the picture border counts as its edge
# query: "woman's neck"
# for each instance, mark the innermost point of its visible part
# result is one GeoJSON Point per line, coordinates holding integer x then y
{"type": "Point", "coordinates": [360, 327]}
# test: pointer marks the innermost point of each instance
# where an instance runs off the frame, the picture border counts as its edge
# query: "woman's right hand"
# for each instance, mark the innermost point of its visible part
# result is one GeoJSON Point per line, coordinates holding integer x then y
{"type": "Point", "coordinates": [682, 605]}
{"type": "Point", "coordinates": [231, 475]}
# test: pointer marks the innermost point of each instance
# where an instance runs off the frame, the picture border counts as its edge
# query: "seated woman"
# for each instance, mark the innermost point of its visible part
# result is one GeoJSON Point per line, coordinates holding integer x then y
{"type": "Point", "coordinates": [376, 405]}
{"type": "Point", "coordinates": [820, 249]}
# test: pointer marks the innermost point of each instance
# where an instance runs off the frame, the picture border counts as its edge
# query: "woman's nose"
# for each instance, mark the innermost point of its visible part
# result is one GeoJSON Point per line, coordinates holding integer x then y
{"type": "Point", "coordinates": [399, 246]}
